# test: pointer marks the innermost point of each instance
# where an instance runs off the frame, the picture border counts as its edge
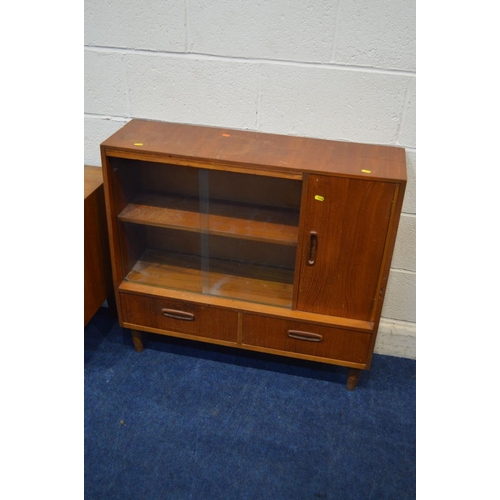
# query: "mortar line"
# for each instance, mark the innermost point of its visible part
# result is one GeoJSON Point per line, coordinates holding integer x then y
{"type": "Point", "coordinates": [259, 98]}
{"type": "Point", "coordinates": [188, 35]}
{"type": "Point", "coordinates": [402, 321]}
{"type": "Point", "coordinates": [127, 86]}
{"type": "Point", "coordinates": [112, 118]}
{"type": "Point", "coordinates": [249, 60]}
{"type": "Point", "coordinates": [403, 112]}
{"type": "Point", "coordinates": [402, 270]}
{"type": "Point", "coordinates": [335, 33]}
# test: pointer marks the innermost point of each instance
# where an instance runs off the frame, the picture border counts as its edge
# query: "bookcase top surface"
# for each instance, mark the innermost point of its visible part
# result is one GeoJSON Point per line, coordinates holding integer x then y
{"type": "Point", "coordinates": [259, 150]}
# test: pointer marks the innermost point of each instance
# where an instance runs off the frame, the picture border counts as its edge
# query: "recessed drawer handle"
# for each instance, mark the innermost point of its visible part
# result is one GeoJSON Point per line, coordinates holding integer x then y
{"type": "Point", "coordinates": [311, 337]}
{"type": "Point", "coordinates": [173, 313]}
{"type": "Point", "coordinates": [313, 247]}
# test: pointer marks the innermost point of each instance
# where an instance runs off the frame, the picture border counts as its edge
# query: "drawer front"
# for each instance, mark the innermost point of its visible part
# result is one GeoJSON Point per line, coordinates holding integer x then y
{"type": "Point", "coordinates": [305, 338]}
{"type": "Point", "coordinates": [179, 316]}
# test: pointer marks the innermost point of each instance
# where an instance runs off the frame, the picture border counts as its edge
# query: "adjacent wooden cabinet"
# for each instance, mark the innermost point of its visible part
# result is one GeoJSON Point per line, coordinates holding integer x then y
{"type": "Point", "coordinates": [97, 266]}
{"type": "Point", "coordinates": [264, 242]}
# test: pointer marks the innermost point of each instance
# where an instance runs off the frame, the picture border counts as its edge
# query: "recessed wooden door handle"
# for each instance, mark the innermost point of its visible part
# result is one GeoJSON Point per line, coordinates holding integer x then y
{"type": "Point", "coordinates": [313, 247]}
{"type": "Point", "coordinates": [311, 337]}
{"type": "Point", "coordinates": [175, 314]}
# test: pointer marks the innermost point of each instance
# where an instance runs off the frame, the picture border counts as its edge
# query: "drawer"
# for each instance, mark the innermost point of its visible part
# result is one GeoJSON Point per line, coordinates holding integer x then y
{"type": "Point", "coordinates": [179, 316]}
{"type": "Point", "coordinates": [306, 338]}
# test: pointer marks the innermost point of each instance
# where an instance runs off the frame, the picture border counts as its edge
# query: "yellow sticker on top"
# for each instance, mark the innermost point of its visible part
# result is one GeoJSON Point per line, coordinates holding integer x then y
{"type": "Point", "coordinates": [319, 198]}
{"type": "Point", "coordinates": [366, 171]}
{"type": "Point", "coordinates": [138, 144]}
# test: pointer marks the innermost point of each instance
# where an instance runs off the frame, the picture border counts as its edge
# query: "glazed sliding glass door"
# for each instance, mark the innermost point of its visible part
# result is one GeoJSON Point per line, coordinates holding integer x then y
{"type": "Point", "coordinates": [207, 231]}
{"type": "Point", "coordinates": [249, 227]}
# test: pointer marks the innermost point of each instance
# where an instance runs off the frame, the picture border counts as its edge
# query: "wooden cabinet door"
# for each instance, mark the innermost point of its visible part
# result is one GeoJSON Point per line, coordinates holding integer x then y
{"type": "Point", "coordinates": [344, 229]}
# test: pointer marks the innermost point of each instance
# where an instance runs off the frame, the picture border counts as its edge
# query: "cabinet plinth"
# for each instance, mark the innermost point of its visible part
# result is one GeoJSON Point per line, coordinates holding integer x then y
{"type": "Point", "coordinates": [258, 241]}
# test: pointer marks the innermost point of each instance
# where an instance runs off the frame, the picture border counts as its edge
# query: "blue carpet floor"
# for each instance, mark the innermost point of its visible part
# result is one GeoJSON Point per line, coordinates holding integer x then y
{"type": "Point", "coordinates": [185, 420]}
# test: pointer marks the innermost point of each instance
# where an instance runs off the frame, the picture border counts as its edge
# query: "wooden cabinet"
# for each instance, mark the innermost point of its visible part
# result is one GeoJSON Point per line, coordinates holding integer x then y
{"type": "Point", "coordinates": [264, 242]}
{"type": "Point", "coordinates": [97, 267]}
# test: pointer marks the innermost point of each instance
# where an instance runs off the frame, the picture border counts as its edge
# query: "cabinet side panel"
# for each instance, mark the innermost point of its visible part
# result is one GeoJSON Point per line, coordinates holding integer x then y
{"type": "Point", "coordinates": [345, 228]}
{"type": "Point", "coordinates": [112, 222]}
{"type": "Point", "coordinates": [386, 263]}
{"type": "Point", "coordinates": [97, 266]}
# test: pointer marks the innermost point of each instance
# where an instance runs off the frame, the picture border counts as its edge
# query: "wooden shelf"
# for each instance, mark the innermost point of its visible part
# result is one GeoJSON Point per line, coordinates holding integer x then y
{"type": "Point", "coordinates": [258, 223]}
{"type": "Point", "coordinates": [242, 281]}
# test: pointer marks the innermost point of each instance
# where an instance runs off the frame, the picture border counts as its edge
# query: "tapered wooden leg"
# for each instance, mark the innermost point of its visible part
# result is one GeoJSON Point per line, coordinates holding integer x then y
{"type": "Point", "coordinates": [137, 340]}
{"type": "Point", "coordinates": [352, 378]}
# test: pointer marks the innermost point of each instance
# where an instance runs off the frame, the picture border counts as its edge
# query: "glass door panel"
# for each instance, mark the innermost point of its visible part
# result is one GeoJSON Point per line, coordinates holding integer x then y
{"type": "Point", "coordinates": [252, 229]}
{"type": "Point", "coordinates": [159, 224]}
{"type": "Point", "coordinates": [207, 231]}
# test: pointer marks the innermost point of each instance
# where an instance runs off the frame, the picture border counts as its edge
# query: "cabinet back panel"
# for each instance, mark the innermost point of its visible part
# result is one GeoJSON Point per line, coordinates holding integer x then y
{"type": "Point", "coordinates": [126, 181]}
{"type": "Point", "coordinates": [222, 185]}
{"type": "Point", "coordinates": [235, 249]}
{"type": "Point", "coordinates": [133, 243]}
{"type": "Point", "coordinates": [173, 179]}
{"type": "Point", "coordinates": [254, 189]}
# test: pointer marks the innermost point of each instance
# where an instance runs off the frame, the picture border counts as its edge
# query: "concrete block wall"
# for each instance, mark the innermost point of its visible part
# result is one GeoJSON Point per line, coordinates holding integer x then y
{"type": "Point", "coordinates": [333, 69]}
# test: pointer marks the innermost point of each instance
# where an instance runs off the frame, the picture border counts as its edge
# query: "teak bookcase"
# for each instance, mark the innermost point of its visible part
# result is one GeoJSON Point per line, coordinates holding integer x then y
{"type": "Point", "coordinates": [264, 242]}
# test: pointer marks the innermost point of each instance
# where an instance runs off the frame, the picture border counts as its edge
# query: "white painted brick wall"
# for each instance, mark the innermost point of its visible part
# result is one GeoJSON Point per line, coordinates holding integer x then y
{"type": "Point", "coordinates": [400, 298]}
{"type": "Point", "coordinates": [376, 33]}
{"type": "Point", "coordinates": [338, 69]}
{"type": "Point", "coordinates": [98, 129]}
{"type": "Point", "coordinates": [405, 250]}
{"type": "Point", "coordinates": [296, 30]}
{"type": "Point", "coordinates": [407, 136]}
{"type": "Point", "coordinates": [410, 200]}
{"type": "Point", "coordinates": [179, 89]}
{"type": "Point", "coordinates": [106, 89]}
{"type": "Point", "coordinates": [331, 103]}
{"type": "Point", "coordinates": [152, 24]}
